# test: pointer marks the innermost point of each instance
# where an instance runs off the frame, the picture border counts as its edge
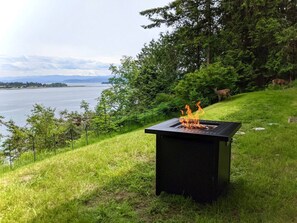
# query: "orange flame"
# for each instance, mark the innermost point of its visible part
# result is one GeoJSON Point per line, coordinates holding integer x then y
{"type": "Point", "coordinates": [191, 121]}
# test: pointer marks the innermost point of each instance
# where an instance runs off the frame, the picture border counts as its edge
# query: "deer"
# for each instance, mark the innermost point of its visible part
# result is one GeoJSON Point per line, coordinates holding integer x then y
{"type": "Point", "coordinates": [223, 93]}
{"type": "Point", "coordinates": [280, 82]}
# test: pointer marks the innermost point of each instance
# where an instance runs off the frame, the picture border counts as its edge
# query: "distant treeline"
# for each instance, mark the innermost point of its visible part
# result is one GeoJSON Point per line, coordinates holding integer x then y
{"type": "Point", "coordinates": [29, 85]}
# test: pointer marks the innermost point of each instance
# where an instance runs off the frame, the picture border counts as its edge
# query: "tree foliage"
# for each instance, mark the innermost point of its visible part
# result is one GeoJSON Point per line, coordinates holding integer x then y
{"type": "Point", "coordinates": [253, 34]}
{"type": "Point", "coordinates": [43, 124]}
{"type": "Point", "coordinates": [122, 96]}
{"type": "Point", "coordinates": [241, 45]}
{"type": "Point", "coordinates": [14, 142]}
{"type": "Point", "coordinates": [195, 27]}
{"type": "Point", "coordinates": [158, 70]}
{"type": "Point", "coordinates": [201, 84]}
{"type": "Point", "coordinates": [257, 38]}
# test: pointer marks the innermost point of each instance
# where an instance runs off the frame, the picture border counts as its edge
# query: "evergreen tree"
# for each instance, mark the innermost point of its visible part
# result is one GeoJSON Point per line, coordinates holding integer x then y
{"type": "Point", "coordinates": [43, 124]}
{"type": "Point", "coordinates": [158, 71]}
{"type": "Point", "coordinates": [72, 122]}
{"type": "Point", "coordinates": [86, 119]}
{"type": "Point", "coordinates": [194, 25]}
{"type": "Point", "coordinates": [14, 143]}
{"type": "Point", "coordinates": [259, 39]}
{"type": "Point", "coordinates": [123, 94]}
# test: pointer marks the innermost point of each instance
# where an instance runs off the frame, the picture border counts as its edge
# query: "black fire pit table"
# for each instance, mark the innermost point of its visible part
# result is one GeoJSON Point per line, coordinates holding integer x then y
{"type": "Point", "coordinates": [193, 162]}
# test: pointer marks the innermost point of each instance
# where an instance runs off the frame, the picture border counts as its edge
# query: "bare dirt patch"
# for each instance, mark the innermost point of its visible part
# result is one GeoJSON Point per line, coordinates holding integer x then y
{"type": "Point", "coordinates": [104, 197]}
{"type": "Point", "coordinates": [26, 178]}
{"type": "Point", "coordinates": [292, 120]}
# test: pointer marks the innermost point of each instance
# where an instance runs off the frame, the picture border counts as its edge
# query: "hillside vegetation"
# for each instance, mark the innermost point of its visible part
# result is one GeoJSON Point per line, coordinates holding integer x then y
{"type": "Point", "coordinates": [114, 180]}
{"type": "Point", "coordinates": [204, 46]}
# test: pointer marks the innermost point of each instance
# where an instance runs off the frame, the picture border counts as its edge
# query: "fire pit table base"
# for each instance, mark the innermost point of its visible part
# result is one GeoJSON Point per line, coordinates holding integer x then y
{"type": "Point", "coordinates": [199, 169]}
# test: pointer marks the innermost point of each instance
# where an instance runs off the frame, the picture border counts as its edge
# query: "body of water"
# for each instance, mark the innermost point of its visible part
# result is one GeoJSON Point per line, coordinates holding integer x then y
{"type": "Point", "coordinates": [16, 104]}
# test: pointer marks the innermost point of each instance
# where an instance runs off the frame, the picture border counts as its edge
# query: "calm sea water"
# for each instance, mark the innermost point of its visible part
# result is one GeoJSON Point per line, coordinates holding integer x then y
{"type": "Point", "coordinates": [17, 104]}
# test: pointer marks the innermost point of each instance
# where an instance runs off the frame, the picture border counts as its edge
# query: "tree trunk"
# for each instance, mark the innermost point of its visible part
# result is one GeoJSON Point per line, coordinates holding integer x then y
{"type": "Point", "coordinates": [87, 141]}
{"type": "Point", "coordinates": [209, 31]}
{"type": "Point", "coordinates": [55, 144]}
{"type": "Point", "coordinates": [33, 148]}
{"type": "Point", "coordinates": [105, 116]}
{"type": "Point", "coordinates": [71, 136]}
{"type": "Point", "coordinates": [10, 158]}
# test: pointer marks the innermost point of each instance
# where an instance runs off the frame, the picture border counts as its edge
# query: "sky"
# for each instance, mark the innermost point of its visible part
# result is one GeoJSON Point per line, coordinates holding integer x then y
{"type": "Point", "coordinates": [71, 37]}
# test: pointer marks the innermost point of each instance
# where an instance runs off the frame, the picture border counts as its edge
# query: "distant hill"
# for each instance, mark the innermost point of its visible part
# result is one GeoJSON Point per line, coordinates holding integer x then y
{"type": "Point", "coordinates": [88, 80]}
{"type": "Point", "coordinates": [57, 78]}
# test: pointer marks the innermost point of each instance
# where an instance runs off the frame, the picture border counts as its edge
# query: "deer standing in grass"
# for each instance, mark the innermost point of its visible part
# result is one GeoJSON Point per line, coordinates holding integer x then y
{"type": "Point", "coordinates": [224, 93]}
{"type": "Point", "coordinates": [280, 82]}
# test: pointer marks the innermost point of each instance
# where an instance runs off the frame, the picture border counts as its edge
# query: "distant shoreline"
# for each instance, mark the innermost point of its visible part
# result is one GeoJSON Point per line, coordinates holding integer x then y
{"type": "Point", "coordinates": [19, 88]}
{"type": "Point", "coordinates": [21, 85]}
{"type": "Point", "coordinates": [33, 88]}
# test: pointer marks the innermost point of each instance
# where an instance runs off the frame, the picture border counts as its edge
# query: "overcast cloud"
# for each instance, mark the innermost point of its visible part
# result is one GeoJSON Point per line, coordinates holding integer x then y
{"type": "Point", "coordinates": [82, 37]}
{"type": "Point", "coordinates": [41, 65]}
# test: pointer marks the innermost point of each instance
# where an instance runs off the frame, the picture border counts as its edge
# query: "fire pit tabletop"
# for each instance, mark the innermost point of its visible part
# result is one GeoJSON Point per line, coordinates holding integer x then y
{"type": "Point", "coordinates": [219, 129]}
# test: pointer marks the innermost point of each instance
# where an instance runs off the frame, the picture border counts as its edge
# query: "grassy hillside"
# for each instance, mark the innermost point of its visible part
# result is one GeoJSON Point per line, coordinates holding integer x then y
{"type": "Point", "coordinates": [113, 181]}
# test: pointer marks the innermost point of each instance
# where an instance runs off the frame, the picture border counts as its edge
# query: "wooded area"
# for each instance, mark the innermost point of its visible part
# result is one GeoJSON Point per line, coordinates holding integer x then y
{"type": "Point", "coordinates": [240, 45]}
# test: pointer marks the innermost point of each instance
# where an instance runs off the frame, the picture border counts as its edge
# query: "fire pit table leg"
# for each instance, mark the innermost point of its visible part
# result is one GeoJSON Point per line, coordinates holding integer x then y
{"type": "Point", "coordinates": [158, 180]}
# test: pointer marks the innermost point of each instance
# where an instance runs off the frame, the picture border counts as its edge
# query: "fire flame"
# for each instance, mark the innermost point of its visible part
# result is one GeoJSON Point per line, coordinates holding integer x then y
{"type": "Point", "coordinates": [191, 121]}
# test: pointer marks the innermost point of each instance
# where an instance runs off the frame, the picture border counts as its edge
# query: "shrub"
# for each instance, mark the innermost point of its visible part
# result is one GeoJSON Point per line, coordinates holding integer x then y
{"type": "Point", "coordinates": [281, 87]}
{"type": "Point", "coordinates": [200, 84]}
{"type": "Point", "coordinates": [294, 83]}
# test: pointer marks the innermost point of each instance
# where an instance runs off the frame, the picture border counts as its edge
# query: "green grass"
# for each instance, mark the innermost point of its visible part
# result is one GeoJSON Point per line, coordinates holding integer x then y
{"type": "Point", "coordinates": [114, 180]}
{"type": "Point", "coordinates": [28, 156]}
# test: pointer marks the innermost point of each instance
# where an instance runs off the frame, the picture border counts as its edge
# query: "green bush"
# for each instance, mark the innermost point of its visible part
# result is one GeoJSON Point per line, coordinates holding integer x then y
{"type": "Point", "coordinates": [200, 85]}
{"type": "Point", "coordinates": [162, 97]}
{"type": "Point", "coordinates": [275, 87]}
{"type": "Point", "coordinates": [294, 83]}
{"type": "Point", "coordinates": [281, 87]}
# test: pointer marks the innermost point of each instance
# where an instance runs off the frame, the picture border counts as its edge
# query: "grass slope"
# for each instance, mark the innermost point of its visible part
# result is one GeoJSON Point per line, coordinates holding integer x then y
{"type": "Point", "coordinates": [113, 181]}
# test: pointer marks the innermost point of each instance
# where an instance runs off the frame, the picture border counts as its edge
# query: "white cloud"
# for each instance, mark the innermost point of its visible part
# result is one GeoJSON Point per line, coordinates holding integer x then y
{"type": "Point", "coordinates": [40, 65]}
{"type": "Point", "coordinates": [75, 28]}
